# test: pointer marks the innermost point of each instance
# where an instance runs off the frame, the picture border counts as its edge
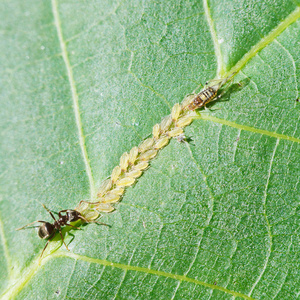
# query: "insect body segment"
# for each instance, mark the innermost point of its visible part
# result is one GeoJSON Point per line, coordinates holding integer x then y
{"type": "Point", "coordinates": [48, 230]}
{"type": "Point", "coordinates": [209, 94]}
{"type": "Point", "coordinates": [203, 98]}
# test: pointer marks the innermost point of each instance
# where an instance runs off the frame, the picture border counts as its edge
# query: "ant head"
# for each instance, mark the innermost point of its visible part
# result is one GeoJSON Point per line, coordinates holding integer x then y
{"type": "Point", "coordinates": [46, 230]}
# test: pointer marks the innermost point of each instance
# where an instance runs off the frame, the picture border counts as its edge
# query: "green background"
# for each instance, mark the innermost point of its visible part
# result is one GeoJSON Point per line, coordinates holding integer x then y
{"type": "Point", "coordinates": [217, 218]}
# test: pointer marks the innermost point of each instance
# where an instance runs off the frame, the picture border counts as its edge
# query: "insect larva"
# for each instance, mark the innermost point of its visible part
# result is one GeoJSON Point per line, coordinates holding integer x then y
{"type": "Point", "coordinates": [175, 132]}
{"type": "Point", "coordinates": [117, 191]}
{"type": "Point", "coordinates": [156, 131]}
{"type": "Point", "coordinates": [161, 142]}
{"type": "Point", "coordinates": [83, 206]}
{"type": "Point", "coordinates": [146, 144]}
{"type": "Point", "coordinates": [104, 207]}
{"type": "Point", "coordinates": [176, 111]}
{"type": "Point", "coordinates": [134, 173]}
{"type": "Point", "coordinates": [124, 161]}
{"type": "Point", "coordinates": [106, 185]}
{"type": "Point", "coordinates": [110, 198]}
{"type": "Point", "coordinates": [91, 215]}
{"type": "Point", "coordinates": [115, 173]}
{"type": "Point", "coordinates": [148, 155]}
{"type": "Point", "coordinates": [142, 165]}
{"type": "Point", "coordinates": [133, 155]}
{"type": "Point", "coordinates": [126, 181]}
{"type": "Point", "coordinates": [209, 94]}
{"type": "Point", "coordinates": [184, 121]}
{"type": "Point", "coordinates": [165, 123]}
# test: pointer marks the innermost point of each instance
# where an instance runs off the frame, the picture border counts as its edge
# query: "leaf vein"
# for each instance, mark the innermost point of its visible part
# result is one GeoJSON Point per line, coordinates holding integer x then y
{"type": "Point", "coordinates": [291, 18]}
{"type": "Point", "coordinates": [213, 33]}
{"type": "Point", "coordinates": [74, 96]}
{"type": "Point", "coordinates": [152, 272]}
{"type": "Point", "coordinates": [5, 248]}
{"type": "Point", "coordinates": [267, 221]}
{"type": "Point", "coordinates": [249, 128]}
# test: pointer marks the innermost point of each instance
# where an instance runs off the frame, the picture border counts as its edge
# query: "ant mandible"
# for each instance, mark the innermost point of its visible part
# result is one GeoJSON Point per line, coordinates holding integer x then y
{"type": "Point", "coordinates": [48, 230]}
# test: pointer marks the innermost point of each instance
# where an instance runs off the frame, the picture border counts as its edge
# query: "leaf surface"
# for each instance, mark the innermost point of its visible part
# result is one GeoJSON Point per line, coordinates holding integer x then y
{"type": "Point", "coordinates": [216, 218]}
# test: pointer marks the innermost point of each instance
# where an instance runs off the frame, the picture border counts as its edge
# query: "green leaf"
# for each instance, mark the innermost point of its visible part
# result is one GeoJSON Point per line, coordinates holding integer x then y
{"type": "Point", "coordinates": [83, 82]}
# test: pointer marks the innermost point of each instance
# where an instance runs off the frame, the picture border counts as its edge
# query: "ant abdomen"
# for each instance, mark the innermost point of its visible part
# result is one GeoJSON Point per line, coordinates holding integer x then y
{"type": "Point", "coordinates": [46, 230]}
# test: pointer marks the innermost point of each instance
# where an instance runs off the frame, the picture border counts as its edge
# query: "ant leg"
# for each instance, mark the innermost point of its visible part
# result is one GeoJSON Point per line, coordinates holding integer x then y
{"type": "Point", "coordinates": [30, 224]}
{"type": "Point", "coordinates": [49, 212]}
{"type": "Point", "coordinates": [45, 248]}
{"type": "Point", "coordinates": [73, 226]}
{"type": "Point", "coordinates": [63, 239]}
{"type": "Point", "coordinates": [43, 252]}
{"type": "Point", "coordinates": [59, 213]}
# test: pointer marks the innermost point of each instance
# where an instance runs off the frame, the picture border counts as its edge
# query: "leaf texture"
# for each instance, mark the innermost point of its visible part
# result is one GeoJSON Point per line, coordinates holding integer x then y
{"type": "Point", "coordinates": [215, 218]}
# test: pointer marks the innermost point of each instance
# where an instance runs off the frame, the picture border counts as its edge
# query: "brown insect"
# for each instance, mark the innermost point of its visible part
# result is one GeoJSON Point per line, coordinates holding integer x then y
{"type": "Point", "coordinates": [48, 230]}
{"type": "Point", "coordinates": [209, 94]}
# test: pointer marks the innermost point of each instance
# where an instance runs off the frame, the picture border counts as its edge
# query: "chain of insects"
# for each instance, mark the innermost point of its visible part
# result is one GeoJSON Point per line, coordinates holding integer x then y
{"type": "Point", "coordinates": [132, 164]}
{"type": "Point", "coordinates": [136, 161]}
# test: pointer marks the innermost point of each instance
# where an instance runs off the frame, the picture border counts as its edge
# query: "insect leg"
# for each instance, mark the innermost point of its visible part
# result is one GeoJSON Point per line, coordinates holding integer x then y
{"type": "Point", "coordinates": [92, 221]}
{"type": "Point", "coordinates": [59, 213]}
{"type": "Point", "coordinates": [67, 224]}
{"type": "Point", "coordinates": [45, 248]}
{"type": "Point", "coordinates": [83, 201]}
{"type": "Point", "coordinates": [63, 239]}
{"type": "Point", "coordinates": [51, 214]}
{"type": "Point", "coordinates": [30, 224]}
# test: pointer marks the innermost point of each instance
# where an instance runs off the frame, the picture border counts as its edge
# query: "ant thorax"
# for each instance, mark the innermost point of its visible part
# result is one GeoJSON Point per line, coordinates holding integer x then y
{"type": "Point", "coordinates": [73, 215]}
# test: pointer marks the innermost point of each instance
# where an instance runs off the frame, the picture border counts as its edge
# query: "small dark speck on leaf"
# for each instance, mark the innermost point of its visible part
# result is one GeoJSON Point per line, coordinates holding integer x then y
{"type": "Point", "coordinates": [297, 100]}
{"type": "Point", "coordinates": [57, 292]}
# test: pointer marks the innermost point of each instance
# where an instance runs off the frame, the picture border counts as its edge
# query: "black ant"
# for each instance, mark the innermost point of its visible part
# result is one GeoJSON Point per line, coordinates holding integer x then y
{"type": "Point", "coordinates": [48, 230]}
